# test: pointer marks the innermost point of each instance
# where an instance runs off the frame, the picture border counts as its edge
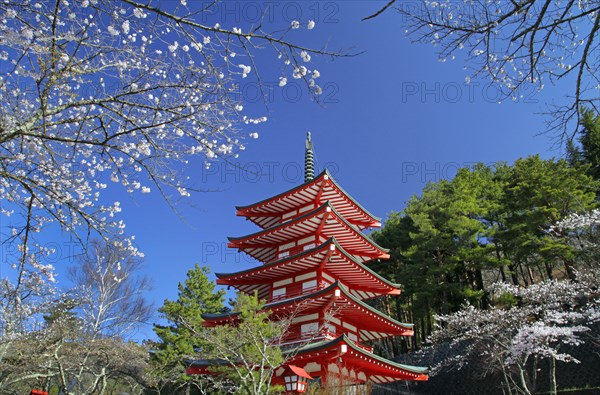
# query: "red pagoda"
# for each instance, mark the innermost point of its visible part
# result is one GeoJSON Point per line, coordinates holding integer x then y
{"type": "Point", "coordinates": [314, 255]}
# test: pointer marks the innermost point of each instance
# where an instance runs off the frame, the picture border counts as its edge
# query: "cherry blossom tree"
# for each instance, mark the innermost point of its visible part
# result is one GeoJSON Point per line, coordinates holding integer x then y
{"type": "Point", "coordinates": [582, 231]}
{"type": "Point", "coordinates": [98, 94]}
{"type": "Point", "coordinates": [514, 340]}
{"type": "Point", "coordinates": [518, 45]}
{"type": "Point", "coordinates": [528, 325]}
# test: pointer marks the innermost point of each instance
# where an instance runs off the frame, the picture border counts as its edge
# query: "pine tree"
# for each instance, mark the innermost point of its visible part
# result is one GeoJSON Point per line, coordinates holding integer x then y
{"type": "Point", "coordinates": [177, 341]}
{"type": "Point", "coordinates": [487, 224]}
{"type": "Point", "coordinates": [588, 154]}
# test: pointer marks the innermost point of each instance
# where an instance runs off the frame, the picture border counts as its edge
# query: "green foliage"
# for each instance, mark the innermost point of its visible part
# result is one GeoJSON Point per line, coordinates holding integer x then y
{"type": "Point", "coordinates": [486, 224]}
{"type": "Point", "coordinates": [588, 154]}
{"type": "Point", "coordinates": [178, 341]}
{"type": "Point", "coordinates": [247, 347]}
{"type": "Point", "coordinates": [505, 300]}
{"type": "Point", "coordinates": [244, 349]}
{"type": "Point", "coordinates": [538, 194]}
{"type": "Point", "coordinates": [62, 316]}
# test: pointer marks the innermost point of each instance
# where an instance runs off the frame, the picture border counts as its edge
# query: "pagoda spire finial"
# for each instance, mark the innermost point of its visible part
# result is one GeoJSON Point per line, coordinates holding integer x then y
{"type": "Point", "coordinates": [309, 160]}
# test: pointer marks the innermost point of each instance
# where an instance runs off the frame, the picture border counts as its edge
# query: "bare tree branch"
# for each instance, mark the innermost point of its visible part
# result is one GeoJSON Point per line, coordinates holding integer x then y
{"type": "Point", "coordinates": [518, 44]}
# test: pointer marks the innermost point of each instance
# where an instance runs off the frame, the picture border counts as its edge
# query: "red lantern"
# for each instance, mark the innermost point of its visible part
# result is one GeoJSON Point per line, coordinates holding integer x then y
{"type": "Point", "coordinates": [295, 379]}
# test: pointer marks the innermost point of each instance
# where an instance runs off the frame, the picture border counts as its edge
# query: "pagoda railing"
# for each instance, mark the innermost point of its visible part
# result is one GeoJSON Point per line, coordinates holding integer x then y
{"type": "Point", "coordinates": [291, 252]}
{"type": "Point", "coordinates": [300, 292]}
{"type": "Point", "coordinates": [307, 337]}
{"type": "Point", "coordinates": [289, 341]}
{"type": "Point", "coordinates": [366, 348]}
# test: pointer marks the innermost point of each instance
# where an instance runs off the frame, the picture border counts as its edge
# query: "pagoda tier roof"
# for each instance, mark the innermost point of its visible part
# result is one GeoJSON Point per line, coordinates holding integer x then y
{"type": "Point", "coordinates": [268, 212]}
{"type": "Point", "coordinates": [329, 257]}
{"type": "Point", "coordinates": [371, 323]}
{"type": "Point", "coordinates": [377, 369]}
{"type": "Point", "coordinates": [324, 220]}
{"type": "Point", "coordinates": [341, 351]}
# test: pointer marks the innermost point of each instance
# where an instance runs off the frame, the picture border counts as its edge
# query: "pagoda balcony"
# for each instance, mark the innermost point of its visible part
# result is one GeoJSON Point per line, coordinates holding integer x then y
{"type": "Point", "coordinates": [300, 292]}
{"type": "Point", "coordinates": [366, 348]}
{"type": "Point", "coordinates": [298, 339]}
{"type": "Point", "coordinates": [291, 252]}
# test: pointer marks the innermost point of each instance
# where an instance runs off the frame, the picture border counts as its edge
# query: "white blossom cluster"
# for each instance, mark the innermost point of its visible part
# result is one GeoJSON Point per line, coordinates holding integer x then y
{"type": "Point", "coordinates": [98, 94]}
{"type": "Point", "coordinates": [21, 313]}
{"type": "Point", "coordinates": [562, 316]}
{"type": "Point", "coordinates": [548, 315]}
{"type": "Point", "coordinates": [541, 338]}
{"type": "Point", "coordinates": [581, 229]}
{"type": "Point", "coordinates": [518, 44]}
{"type": "Point", "coordinates": [577, 221]}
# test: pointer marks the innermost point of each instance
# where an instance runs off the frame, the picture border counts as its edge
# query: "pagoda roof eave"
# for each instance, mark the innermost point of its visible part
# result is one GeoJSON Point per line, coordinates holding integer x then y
{"type": "Point", "coordinates": [380, 370]}
{"type": "Point", "coordinates": [248, 210]}
{"type": "Point", "coordinates": [280, 195]}
{"type": "Point", "coordinates": [407, 329]}
{"type": "Point", "coordinates": [235, 242]}
{"type": "Point", "coordinates": [232, 315]}
{"type": "Point", "coordinates": [407, 372]}
{"type": "Point", "coordinates": [376, 219]}
{"type": "Point", "coordinates": [208, 317]}
{"type": "Point", "coordinates": [344, 290]}
{"type": "Point", "coordinates": [273, 269]}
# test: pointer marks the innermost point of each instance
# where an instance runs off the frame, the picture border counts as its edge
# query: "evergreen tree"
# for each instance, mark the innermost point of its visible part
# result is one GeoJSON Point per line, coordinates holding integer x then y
{"type": "Point", "coordinates": [177, 341]}
{"type": "Point", "coordinates": [538, 194]}
{"type": "Point", "coordinates": [588, 153]}
{"type": "Point", "coordinates": [487, 224]}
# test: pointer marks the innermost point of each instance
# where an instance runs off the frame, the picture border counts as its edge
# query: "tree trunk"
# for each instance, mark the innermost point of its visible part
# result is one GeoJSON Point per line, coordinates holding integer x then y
{"type": "Point", "coordinates": [534, 371]}
{"type": "Point", "coordinates": [505, 377]}
{"type": "Point", "coordinates": [423, 332]}
{"type": "Point", "coordinates": [104, 382]}
{"type": "Point", "coordinates": [525, 282]}
{"type": "Point", "coordinates": [552, 374]}
{"type": "Point", "coordinates": [548, 271]}
{"type": "Point", "coordinates": [513, 274]}
{"type": "Point", "coordinates": [428, 320]}
{"type": "Point", "coordinates": [523, 380]}
{"type": "Point", "coordinates": [569, 269]}
{"type": "Point", "coordinates": [530, 272]}
{"type": "Point", "coordinates": [480, 287]}
{"type": "Point", "coordinates": [502, 274]}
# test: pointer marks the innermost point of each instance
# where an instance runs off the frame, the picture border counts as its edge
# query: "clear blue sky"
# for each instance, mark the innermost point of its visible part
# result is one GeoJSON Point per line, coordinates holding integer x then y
{"type": "Point", "coordinates": [393, 119]}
